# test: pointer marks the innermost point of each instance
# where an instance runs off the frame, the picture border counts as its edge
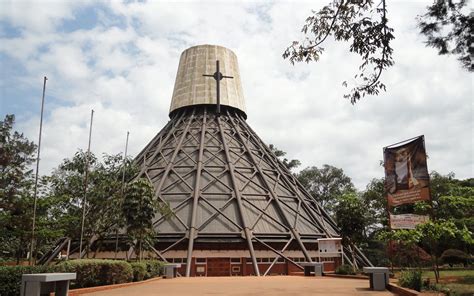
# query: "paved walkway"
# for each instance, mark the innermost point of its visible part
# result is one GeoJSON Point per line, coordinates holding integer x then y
{"type": "Point", "coordinates": [253, 286]}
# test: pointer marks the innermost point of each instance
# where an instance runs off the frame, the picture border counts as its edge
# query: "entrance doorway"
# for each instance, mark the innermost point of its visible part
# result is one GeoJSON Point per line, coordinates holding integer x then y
{"type": "Point", "coordinates": [218, 266]}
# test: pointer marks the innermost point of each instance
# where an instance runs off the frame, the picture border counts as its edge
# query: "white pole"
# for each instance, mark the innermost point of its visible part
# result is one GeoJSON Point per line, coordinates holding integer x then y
{"type": "Point", "coordinates": [84, 200]}
{"type": "Point", "coordinates": [35, 196]}
{"type": "Point", "coordinates": [122, 190]}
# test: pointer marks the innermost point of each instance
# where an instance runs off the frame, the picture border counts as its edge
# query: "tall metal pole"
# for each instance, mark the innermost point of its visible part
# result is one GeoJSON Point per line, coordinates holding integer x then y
{"type": "Point", "coordinates": [84, 200]}
{"type": "Point", "coordinates": [122, 191]}
{"type": "Point", "coordinates": [124, 162]}
{"type": "Point", "coordinates": [35, 196]}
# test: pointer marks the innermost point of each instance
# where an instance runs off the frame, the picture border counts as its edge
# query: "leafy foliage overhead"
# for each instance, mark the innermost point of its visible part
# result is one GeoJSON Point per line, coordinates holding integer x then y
{"type": "Point", "coordinates": [448, 26]}
{"type": "Point", "coordinates": [361, 23]}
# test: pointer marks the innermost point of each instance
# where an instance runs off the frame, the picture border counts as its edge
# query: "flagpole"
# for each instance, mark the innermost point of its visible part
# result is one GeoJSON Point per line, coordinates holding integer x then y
{"type": "Point", "coordinates": [124, 162]}
{"type": "Point", "coordinates": [85, 185]}
{"type": "Point", "coordinates": [122, 190]}
{"type": "Point", "coordinates": [35, 196]}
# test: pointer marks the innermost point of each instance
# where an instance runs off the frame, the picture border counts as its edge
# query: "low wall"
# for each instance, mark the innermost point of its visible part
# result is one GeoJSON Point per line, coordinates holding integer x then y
{"type": "Point", "coordinates": [74, 292]}
{"type": "Point", "coordinates": [402, 291]}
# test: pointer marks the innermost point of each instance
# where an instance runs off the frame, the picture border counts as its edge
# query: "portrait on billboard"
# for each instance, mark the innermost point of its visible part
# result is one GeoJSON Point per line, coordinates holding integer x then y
{"type": "Point", "coordinates": [406, 173]}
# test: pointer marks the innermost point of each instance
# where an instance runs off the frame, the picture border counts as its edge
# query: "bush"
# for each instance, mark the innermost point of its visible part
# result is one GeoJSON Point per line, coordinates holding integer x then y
{"type": "Point", "coordinates": [10, 277]}
{"type": "Point", "coordinates": [154, 268]}
{"type": "Point", "coordinates": [453, 256]}
{"type": "Point", "coordinates": [345, 269]}
{"type": "Point", "coordinates": [410, 279]}
{"type": "Point", "coordinates": [96, 272]}
{"type": "Point", "coordinates": [6, 261]}
{"type": "Point", "coordinates": [90, 273]}
{"type": "Point", "coordinates": [441, 288]}
{"type": "Point", "coordinates": [139, 271]}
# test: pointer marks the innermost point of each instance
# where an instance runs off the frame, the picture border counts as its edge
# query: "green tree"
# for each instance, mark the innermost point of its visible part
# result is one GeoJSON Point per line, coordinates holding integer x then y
{"type": "Point", "coordinates": [326, 184]}
{"type": "Point", "coordinates": [430, 235]}
{"type": "Point", "coordinates": [459, 208]}
{"type": "Point", "coordinates": [376, 202]}
{"type": "Point", "coordinates": [139, 209]}
{"type": "Point", "coordinates": [450, 199]}
{"type": "Point", "coordinates": [350, 214]}
{"type": "Point", "coordinates": [104, 195]}
{"type": "Point", "coordinates": [16, 181]}
{"type": "Point", "coordinates": [453, 200]}
{"type": "Point", "coordinates": [451, 210]}
{"type": "Point", "coordinates": [289, 164]}
{"type": "Point", "coordinates": [448, 25]}
{"type": "Point", "coordinates": [440, 184]}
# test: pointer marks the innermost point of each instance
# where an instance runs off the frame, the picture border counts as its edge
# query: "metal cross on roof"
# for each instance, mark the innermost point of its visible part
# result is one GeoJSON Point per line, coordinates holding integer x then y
{"type": "Point", "coordinates": [218, 76]}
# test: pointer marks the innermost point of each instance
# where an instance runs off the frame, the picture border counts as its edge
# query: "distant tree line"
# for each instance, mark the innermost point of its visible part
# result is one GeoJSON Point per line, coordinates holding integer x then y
{"type": "Point", "coordinates": [363, 218]}
{"type": "Point", "coordinates": [111, 204]}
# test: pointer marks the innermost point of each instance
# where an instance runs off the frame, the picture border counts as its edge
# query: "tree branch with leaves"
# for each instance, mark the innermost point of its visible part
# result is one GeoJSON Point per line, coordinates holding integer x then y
{"type": "Point", "coordinates": [448, 26]}
{"type": "Point", "coordinates": [369, 36]}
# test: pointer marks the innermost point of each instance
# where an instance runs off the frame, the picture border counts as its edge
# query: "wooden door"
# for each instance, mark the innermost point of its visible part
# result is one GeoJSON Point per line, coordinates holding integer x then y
{"type": "Point", "coordinates": [218, 266]}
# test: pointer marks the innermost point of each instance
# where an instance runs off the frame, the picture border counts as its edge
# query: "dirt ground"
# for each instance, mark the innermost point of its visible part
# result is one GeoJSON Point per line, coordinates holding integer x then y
{"type": "Point", "coordinates": [256, 286]}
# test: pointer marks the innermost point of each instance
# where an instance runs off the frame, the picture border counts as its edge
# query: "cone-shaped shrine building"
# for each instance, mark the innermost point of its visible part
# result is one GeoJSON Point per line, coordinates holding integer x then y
{"type": "Point", "coordinates": [236, 209]}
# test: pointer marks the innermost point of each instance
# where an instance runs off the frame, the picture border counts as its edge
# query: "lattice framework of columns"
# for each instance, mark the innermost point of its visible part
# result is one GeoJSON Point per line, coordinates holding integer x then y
{"type": "Point", "coordinates": [221, 181]}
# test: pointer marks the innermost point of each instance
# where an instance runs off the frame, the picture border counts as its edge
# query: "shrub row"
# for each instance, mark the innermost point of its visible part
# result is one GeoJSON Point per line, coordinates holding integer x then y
{"type": "Point", "coordinates": [453, 256]}
{"type": "Point", "coordinates": [96, 272]}
{"type": "Point", "coordinates": [410, 279]}
{"type": "Point", "coordinates": [146, 270]}
{"type": "Point", "coordinates": [90, 273]}
{"type": "Point", "coordinates": [10, 277]}
{"type": "Point", "coordinates": [139, 271]}
{"type": "Point", "coordinates": [154, 268]}
{"type": "Point", "coordinates": [345, 269]}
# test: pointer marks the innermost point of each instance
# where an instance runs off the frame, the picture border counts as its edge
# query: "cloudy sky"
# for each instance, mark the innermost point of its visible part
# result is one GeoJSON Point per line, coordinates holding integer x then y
{"type": "Point", "coordinates": [121, 59]}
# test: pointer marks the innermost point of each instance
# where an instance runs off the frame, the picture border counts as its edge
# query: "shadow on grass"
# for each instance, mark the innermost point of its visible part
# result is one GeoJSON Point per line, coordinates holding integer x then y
{"type": "Point", "coordinates": [468, 280]}
{"type": "Point", "coordinates": [464, 286]}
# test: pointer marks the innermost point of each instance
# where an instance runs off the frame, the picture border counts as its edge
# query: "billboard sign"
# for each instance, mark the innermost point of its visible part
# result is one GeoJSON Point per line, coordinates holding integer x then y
{"type": "Point", "coordinates": [406, 221]}
{"type": "Point", "coordinates": [406, 173]}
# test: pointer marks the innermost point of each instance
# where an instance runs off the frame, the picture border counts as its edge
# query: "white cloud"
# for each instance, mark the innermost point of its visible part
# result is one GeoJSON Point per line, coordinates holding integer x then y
{"type": "Point", "coordinates": [38, 16]}
{"type": "Point", "coordinates": [126, 73]}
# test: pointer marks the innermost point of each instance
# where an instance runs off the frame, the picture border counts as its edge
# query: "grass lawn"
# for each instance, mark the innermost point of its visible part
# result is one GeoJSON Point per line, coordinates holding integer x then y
{"type": "Point", "coordinates": [449, 273]}
{"type": "Point", "coordinates": [459, 289]}
{"type": "Point", "coordinates": [458, 282]}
